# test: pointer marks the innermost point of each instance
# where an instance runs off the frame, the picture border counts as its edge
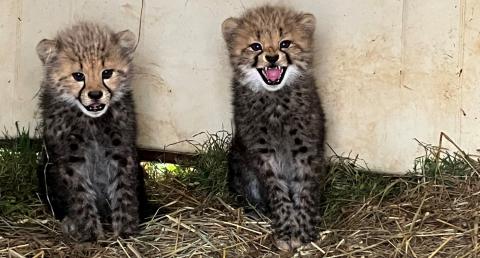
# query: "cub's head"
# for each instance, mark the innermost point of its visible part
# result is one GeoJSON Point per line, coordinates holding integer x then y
{"type": "Point", "coordinates": [269, 46]}
{"type": "Point", "coordinates": [87, 65]}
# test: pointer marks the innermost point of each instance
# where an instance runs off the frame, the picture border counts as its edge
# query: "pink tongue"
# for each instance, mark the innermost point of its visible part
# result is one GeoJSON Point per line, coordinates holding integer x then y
{"type": "Point", "coordinates": [273, 74]}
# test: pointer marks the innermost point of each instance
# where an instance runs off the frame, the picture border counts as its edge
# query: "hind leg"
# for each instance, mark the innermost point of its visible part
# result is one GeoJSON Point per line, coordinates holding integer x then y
{"type": "Point", "coordinates": [305, 188]}
{"type": "Point", "coordinates": [53, 193]}
{"type": "Point", "coordinates": [145, 208]}
{"type": "Point", "coordinates": [70, 196]}
{"type": "Point", "coordinates": [244, 181]}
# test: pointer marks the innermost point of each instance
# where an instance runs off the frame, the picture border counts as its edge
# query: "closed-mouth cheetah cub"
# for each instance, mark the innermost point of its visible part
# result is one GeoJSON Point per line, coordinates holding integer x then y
{"type": "Point", "coordinates": [90, 173]}
{"type": "Point", "coordinates": [276, 157]}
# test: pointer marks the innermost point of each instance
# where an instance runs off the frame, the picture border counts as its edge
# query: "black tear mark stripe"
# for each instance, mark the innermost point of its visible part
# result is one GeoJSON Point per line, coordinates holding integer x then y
{"type": "Point", "coordinates": [81, 90]}
{"type": "Point", "coordinates": [255, 60]}
{"type": "Point", "coordinates": [105, 85]}
{"type": "Point", "coordinates": [289, 61]}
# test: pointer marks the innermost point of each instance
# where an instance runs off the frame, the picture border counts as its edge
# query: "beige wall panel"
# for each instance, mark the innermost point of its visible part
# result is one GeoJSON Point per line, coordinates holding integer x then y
{"type": "Point", "coordinates": [388, 71]}
{"type": "Point", "coordinates": [469, 81]}
{"type": "Point", "coordinates": [8, 38]}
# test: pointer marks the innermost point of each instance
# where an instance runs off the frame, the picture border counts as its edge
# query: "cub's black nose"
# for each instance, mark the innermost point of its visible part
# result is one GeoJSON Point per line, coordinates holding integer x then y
{"type": "Point", "coordinates": [95, 94]}
{"type": "Point", "coordinates": [272, 59]}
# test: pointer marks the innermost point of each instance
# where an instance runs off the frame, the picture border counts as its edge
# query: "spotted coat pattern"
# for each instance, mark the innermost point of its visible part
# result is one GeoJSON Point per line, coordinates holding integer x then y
{"type": "Point", "coordinates": [90, 172]}
{"type": "Point", "coordinates": [276, 158]}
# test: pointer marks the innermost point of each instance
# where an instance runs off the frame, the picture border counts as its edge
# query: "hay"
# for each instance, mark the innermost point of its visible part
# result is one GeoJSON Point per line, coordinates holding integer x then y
{"type": "Point", "coordinates": [431, 212]}
{"type": "Point", "coordinates": [186, 225]}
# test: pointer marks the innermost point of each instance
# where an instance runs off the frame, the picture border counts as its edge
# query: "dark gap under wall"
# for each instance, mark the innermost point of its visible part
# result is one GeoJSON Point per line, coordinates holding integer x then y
{"type": "Point", "coordinates": [143, 154]}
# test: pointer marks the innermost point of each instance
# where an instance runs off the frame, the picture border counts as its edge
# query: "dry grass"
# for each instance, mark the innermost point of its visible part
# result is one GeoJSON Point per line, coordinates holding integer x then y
{"type": "Point", "coordinates": [431, 212]}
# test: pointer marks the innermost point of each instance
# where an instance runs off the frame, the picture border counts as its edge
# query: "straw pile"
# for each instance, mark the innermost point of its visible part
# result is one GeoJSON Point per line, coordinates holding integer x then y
{"type": "Point", "coordinates": [431, 212]}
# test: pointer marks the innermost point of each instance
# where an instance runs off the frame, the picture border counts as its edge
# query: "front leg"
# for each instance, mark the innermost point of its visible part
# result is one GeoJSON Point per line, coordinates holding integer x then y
{"type": "Point", "coordinates": [122, 192]}
{"type": "Point", "coordinates": [283, 222]}
{"type": "Point", "coordinates": [280, 203]}
{"type": "Point", "coordinates": [82, 222]}
{"type": "Point", "coordinates": [305, 188]}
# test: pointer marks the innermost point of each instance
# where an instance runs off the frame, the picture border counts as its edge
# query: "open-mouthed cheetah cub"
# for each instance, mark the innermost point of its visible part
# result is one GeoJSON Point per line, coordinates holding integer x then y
{"type": "Point", "coordinates": [90, 173]}
{"type": "Point", "coordinates": [276, 156]}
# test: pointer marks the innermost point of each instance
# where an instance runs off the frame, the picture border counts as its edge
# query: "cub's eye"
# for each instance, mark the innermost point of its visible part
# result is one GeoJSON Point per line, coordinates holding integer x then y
{"type": "Point", "coordinates": [285, 44]}
{"type": "Point", "coordinates": [256, 46]}
{"type": "Point", "coordinates": [79, 77]}
{"type": "Point", "coordinates": [106, 74]}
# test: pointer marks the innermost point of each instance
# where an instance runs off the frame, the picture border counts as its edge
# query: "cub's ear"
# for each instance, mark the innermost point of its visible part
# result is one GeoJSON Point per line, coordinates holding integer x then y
{"type": "Point", "coordinates": [228, 28]}
{"type": "Point", "coordinates": [307, 20]}
{"type": "Point", "coordinates": [46, 48]}
{"type": "Point", "coordinates": [127, 40]}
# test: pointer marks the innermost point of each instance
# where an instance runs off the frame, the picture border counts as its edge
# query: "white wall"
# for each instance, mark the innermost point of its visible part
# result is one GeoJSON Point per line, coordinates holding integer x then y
{"type": "Point", "coordinates": [388, 71]}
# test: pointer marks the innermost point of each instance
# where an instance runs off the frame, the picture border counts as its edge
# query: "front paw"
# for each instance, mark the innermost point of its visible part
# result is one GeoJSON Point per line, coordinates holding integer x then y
{"type": "Point", "coordinates": [82, 231]}
{"type": "Point", "coordinates": [295, 243]}
{"type": "Point", "coordinates": [283, 245]}
{"type": "Point", "coordinates": [125, 229]}
{"type": "Point", "coordinates": [288, 245]}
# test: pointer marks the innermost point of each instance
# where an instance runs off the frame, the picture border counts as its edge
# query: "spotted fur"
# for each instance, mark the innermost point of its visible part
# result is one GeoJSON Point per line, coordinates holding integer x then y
{"type": "Point", "coordinates": [276, 159]}
{"type": "Point", "coordinates": [90, 173]}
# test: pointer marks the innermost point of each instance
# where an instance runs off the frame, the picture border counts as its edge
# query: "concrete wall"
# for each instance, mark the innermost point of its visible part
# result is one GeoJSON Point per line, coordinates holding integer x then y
{"type": "Point", "coordinates": [388, 71]}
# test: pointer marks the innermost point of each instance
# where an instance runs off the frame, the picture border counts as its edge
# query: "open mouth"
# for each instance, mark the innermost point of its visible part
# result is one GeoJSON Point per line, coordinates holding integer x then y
{"type": "Point", "coordinates": [272, 75]}
{"type": "Point", "coordinates": [95, 107]}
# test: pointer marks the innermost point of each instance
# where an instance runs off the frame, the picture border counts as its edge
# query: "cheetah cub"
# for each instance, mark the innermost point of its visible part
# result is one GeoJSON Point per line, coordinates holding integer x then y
{"type": "Point", "coordinates": [276, 157]}
{"type": "Point", "coordinates": [90, 173]}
